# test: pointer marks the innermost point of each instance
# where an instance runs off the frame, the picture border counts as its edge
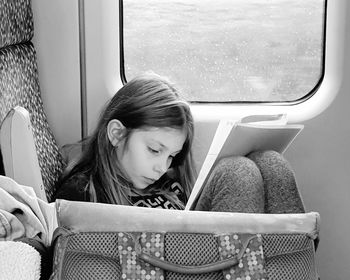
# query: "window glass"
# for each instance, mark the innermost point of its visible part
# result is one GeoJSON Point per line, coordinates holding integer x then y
{"type": "Point", "coordinates": [228, 50]}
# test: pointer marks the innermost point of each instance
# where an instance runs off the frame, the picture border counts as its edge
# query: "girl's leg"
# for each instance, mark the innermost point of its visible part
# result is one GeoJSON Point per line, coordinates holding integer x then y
{"type": "Point", "coordinates": [235, 185]}
{"type": "Point", "coordinates": [281, 192]}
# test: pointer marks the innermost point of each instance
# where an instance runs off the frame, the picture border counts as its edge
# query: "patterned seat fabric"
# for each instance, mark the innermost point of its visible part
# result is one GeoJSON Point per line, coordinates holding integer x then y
{"type": "Point", "coordinates": [19, 84]}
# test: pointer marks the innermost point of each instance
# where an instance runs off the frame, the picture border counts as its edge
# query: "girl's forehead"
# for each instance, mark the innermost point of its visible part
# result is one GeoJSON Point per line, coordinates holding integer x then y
{"type": "Point", "coordinates": [170, 138]}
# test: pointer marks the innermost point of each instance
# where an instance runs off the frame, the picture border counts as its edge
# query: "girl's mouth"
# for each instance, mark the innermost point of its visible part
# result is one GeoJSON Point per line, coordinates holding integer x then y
{"type": "Point", "coordinates": [149, 181]}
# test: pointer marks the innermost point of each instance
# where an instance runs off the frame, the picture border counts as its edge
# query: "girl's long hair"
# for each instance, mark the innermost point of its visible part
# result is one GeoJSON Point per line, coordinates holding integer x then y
{"type": "Point", "coordinates": [147, 100]}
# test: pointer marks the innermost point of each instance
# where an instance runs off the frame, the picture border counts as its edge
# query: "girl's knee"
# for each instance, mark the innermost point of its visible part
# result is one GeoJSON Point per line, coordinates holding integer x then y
{"type": "Point", "coordinates": [237, 166]}
{"type": "Point", "coordinates": [267, 155]}
{"type": "Point", "coordinates": [281, 191]}
{"type": "Point", "coordinates": [268, 159]}
{"type": "Point", "coordinates": [237, 172]}
{"type": "Point", "coordinates": [237, 185]}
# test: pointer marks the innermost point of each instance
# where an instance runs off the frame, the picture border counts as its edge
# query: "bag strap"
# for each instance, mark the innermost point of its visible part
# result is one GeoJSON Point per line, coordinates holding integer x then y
{"type": "Point", "coordinates": [207, 268]}
{"type": "Point", "coordinates": [59, 231]}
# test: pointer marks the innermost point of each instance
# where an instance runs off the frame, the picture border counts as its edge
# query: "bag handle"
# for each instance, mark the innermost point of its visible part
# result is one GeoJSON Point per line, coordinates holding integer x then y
{"type": "Point", "coordinates": [206, 268]}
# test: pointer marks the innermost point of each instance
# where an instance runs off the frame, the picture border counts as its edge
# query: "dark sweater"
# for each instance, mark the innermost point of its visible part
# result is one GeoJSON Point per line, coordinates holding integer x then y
{"type": "Point", "coordinates": [75, 188]}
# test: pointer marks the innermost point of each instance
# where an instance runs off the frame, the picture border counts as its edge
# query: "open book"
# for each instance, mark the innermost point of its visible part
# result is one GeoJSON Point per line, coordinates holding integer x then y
{"type": "Point", "coordinates": [239, 138]}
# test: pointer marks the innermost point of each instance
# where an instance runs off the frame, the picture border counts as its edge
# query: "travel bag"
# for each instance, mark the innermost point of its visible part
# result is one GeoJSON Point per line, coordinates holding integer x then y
{"type": "Point", "coordinates": [102, 241]}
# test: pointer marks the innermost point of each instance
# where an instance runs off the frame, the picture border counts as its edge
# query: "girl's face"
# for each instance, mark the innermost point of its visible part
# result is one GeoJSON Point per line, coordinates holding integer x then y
{"type": "Point", "coordinates": [148, 154]}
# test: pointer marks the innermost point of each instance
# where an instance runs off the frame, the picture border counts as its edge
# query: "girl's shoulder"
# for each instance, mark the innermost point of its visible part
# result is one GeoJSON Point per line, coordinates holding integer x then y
{"type": "Point", "coordinates": [74, 188]}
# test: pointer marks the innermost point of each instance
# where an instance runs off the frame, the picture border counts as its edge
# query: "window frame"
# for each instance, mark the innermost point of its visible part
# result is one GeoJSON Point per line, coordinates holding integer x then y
{"type": "Point", "coordinates": [248, 103]}
{"type": "Point", "coordinates": [103, 68]}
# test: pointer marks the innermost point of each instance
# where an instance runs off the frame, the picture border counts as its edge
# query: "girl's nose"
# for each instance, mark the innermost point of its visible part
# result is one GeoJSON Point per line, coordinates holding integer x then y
{"type": "Point", "coordinates": [161, 167]}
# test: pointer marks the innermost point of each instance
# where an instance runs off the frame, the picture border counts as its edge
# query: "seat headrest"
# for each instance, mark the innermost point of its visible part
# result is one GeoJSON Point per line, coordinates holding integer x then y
{"type": "Point", "coordinates": [16, 22]}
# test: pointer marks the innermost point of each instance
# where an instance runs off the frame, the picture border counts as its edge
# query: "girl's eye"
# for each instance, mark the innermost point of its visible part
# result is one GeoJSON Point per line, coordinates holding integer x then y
{"type": "Point", "coordinates": [153, 151]}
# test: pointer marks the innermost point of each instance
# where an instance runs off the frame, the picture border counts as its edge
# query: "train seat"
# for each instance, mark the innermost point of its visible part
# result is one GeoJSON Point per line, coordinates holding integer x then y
{"type": "Point", "coordinates": [19, 86]}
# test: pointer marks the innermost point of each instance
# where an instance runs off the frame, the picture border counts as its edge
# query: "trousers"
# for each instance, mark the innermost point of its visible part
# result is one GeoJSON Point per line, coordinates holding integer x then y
{"type": "Point", "coordinates": [261, 182]}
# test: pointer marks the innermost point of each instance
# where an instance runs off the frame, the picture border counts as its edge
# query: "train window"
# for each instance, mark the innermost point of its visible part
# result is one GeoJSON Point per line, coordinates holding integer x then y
{"type": "Point", "coordinates": [227, 51]}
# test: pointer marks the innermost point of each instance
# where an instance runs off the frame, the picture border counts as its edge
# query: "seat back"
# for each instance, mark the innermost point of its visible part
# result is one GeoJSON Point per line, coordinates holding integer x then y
{"type": "Point", "coordinates": [19, 86]}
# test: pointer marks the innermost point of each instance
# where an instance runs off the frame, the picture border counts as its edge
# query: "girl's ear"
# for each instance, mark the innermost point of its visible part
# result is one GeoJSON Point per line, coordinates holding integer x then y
{"type": "Point", "coordinates": [115, 131]}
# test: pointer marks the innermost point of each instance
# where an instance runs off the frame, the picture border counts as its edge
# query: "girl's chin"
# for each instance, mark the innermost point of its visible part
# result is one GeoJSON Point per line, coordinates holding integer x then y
{"type": "Point", "coordinates": [140, 186]}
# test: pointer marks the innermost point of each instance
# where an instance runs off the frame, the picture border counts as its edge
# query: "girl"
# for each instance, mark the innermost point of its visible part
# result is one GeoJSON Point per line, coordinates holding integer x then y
{"type": "Point", "coordinates": [141, 143]}
{"type": "Point", "coordinates": [140, 154]}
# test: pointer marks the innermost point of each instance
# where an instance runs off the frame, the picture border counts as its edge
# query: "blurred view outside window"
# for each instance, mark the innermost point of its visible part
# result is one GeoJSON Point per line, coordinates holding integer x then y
{"type": "Point", "coordinates": [228, 50]}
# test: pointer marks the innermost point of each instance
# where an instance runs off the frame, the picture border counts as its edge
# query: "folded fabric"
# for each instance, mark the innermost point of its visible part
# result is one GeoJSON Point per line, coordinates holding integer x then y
{"type": "Point", "coordinates": [18, 261]}
{"type": "Point", "coordinates": [23, 214]}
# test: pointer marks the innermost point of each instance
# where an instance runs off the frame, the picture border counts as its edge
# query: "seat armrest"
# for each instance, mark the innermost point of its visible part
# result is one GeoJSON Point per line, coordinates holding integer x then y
{"type": "Point", "coordinates": [18, 151]}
